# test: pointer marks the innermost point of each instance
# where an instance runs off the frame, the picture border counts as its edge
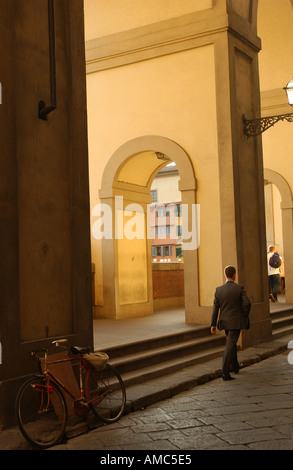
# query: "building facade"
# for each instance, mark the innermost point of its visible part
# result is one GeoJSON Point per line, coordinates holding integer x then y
{"type": "Point", "coordinates": [163, 78]}
{"type": "Point", "coordinates": [176, 81]}
{"type": "Point", "coordinates": [165, 217]}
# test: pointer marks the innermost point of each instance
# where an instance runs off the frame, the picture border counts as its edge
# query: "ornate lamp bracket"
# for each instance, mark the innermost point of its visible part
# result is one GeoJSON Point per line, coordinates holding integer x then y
{"type": "Point", "coordinates": [254, 127]}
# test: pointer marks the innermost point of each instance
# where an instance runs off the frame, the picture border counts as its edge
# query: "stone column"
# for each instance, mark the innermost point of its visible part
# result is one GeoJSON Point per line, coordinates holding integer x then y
{"type": "Point", "coordinates": [44, 196]}
{"type": "Point", "coordinates": [241, 163]}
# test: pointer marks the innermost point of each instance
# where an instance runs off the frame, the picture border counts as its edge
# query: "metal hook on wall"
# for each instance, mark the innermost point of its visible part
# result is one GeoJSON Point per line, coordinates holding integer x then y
{"type": "Point", "coordinates": [44, 110]}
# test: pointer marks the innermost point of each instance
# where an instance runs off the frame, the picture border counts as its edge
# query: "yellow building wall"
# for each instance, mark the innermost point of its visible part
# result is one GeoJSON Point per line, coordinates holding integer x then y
{"type": "Point", "coordinates": [172, 96]}
{"type": "Point", "coordinates": [131, 14]}
{"type": "Point", "coordinates": [167, 187]}
{"type": "Point", "coordinates": [275, 28]}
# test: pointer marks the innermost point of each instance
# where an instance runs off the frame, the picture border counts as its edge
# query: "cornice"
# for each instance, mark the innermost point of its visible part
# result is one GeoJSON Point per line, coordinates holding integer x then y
{"type": "Point", "coordinates": [274, 102]}
{"type": "Point", "coordinates": [166, 37]}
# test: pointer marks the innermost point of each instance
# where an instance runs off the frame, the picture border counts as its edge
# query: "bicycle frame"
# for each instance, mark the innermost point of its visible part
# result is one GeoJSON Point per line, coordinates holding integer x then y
{"type": "Point", "coordinates": [44, 389]}
{"type": "Point", "coordinates": [50, 376]}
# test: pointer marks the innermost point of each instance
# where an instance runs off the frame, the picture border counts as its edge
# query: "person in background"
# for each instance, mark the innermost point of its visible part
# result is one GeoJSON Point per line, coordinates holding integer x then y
{"type": "Point", "coordinates": [274, 273]}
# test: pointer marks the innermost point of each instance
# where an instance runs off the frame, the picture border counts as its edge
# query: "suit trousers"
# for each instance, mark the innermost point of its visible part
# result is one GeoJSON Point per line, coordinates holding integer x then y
{"type": "Point", "coordinates": [230, 360]}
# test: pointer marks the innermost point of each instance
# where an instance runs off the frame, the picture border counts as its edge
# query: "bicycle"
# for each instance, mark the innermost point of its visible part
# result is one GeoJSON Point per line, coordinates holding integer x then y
{"type": "Point", "coordinates": [41, 409]}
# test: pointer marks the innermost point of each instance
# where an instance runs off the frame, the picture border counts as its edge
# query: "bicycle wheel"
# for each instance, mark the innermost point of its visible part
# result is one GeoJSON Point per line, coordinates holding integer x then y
{"type": "Point", "coordinates": [41, 412]}
{"type": "Point", "coordinates": [105, 392]}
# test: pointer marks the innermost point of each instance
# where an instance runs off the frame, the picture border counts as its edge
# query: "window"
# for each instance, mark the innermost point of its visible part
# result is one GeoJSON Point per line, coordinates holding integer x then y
{"type": "Point", "coordinates": [179, 230]}
{"type": "Point", "coordinates": [154, 195]}
{"type": "Point", "coordinates": [161, 251]}
{"type": "Point", "coordinates": [162, 212]}
{"type": "Point", "coordinates": [178, 210]}
{"type": "Point", "coordinates": [168, 250]}
{"type": "Point", "coordinates": [162, 231]}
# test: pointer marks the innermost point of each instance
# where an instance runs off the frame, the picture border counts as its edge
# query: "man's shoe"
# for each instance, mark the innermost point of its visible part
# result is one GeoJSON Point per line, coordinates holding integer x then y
{"type": "Point", "coordinates": [227, 377]}
{"type": "Point", "coordinates": [236, 368]}
{"type": "Point", "coordinates": [272, 298]}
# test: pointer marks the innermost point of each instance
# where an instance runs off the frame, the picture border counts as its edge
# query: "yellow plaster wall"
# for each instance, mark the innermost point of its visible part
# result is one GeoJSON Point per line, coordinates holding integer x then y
{"type": "Point", "coordinates": [278, 150]}
{"type": "Point", "coordinates": [131, 14]}
{"type": "Point", "coordinates": [174, 97]}
{"type": "Point", "coordinates": [132, 261]}
{"type": "Point", "coordinates": [275, 28]}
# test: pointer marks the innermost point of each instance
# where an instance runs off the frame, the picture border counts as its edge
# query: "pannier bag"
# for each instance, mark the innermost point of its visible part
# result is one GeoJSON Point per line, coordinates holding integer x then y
{"type": "Point", "coordinates": [97, 359]}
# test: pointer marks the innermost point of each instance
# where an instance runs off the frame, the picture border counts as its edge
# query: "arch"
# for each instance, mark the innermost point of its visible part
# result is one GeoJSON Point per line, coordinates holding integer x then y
{"type": "Point", "coordinates": [287, 222]}
{"type": "Point", "coordinates": [282, 185]}
{"type": "Point", "coordinates": [142, 151]}
{"type": "Point", "coordinates": [149, 144]}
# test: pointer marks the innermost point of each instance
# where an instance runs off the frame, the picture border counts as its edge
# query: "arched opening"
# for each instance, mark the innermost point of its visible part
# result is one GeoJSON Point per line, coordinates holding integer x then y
{"type": "Point", "coordinates": [126, 255]}
{"type": "Point", "coordinates": [279, 220]}
{"type": "Point", "coordinates": [166, 239]}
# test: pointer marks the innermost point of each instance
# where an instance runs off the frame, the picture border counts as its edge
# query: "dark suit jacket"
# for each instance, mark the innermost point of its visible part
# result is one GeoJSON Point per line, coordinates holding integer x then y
{"type": "Point", "coordinates": [234, 305]}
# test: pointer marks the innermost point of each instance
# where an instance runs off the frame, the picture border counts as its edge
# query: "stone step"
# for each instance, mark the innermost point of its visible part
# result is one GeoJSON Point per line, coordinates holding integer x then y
{"type": "Point", "coordinates": [282, 323]}
{"type": "Point", "coordinates": [280, 332]}
{"type": "Point", "coordinates": [159, 370]}
{"type": "Point", "coordinates": [282, 313]}
{"type": "Point", "coordinates": [153, 359]}
{"type": "Point", "coordinates": [148, 344]}
{"type": "Point", "coordinates": [284, 320]}
{"type": "Point", "coordinates": [162, 354]}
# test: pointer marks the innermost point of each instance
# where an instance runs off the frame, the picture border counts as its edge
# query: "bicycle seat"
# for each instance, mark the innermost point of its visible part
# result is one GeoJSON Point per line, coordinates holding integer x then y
{"type": "Point", "coordinates": [80, 349]}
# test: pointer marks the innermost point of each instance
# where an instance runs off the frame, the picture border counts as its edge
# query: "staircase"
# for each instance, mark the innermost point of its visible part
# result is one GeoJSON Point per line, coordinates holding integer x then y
{"type": "Point", "coordinates": [282, 322]}
{"type": "Point", "coordinates": [149, 367]}
{"type": "Point", "coordinates": [155, 369]}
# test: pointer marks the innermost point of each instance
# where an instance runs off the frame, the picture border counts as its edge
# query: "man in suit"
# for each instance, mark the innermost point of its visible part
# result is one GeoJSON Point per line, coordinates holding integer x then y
{"type": "Point", "coordinates": [234, 305]}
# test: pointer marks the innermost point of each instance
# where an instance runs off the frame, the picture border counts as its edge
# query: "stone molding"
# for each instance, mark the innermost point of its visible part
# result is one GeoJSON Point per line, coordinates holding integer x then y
{"type": "Point", "coordinates": [166, 37]}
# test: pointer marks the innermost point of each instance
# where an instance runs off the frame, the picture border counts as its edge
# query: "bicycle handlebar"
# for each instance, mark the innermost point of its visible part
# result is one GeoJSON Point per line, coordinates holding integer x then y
{"type": "Point", "coordinates": [56, 343]}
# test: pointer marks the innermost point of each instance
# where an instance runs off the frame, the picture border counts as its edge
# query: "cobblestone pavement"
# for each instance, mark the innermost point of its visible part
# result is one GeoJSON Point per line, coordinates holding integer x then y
{"type": "Point", "coordinates": [254, 411]}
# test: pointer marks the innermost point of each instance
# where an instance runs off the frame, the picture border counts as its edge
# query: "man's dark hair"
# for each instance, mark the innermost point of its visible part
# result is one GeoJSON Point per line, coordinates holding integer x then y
{"type": "Point", "coordinates": [230, 271]}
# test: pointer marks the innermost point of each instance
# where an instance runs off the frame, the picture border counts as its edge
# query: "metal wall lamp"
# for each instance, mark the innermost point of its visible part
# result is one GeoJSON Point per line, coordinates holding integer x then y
{"type": "Point", "coordinates": [254, 127]}
{"type": "Point", "coordinates": [162, 156]}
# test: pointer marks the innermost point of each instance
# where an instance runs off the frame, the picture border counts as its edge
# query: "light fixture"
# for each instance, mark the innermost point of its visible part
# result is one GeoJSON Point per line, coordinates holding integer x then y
{"type": "Point", "coordinates": [289, 90]}
{"type": "Point", "coordinates": [162, 156]}
{"type": "Point", "coordinates": [254, 127]}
